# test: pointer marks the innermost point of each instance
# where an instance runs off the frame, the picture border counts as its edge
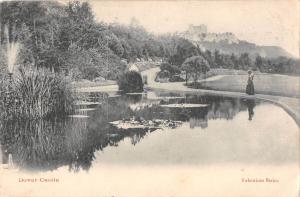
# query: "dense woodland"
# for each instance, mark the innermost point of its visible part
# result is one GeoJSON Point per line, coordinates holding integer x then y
{"type": "Point", "coordinates": [67, 38]}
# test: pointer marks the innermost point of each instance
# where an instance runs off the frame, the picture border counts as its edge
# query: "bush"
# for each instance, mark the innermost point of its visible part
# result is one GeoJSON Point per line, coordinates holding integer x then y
{"type": "Point", "coordinates": [164, 74]}
{"type": "Point", "coordinates": [131, 82]}
{"type": "Point", "coordinates": [38, 93]}
{"type": "Point", "coordinates": [173, 70]}
{"type": "Point", "coordinates": [176, 78]}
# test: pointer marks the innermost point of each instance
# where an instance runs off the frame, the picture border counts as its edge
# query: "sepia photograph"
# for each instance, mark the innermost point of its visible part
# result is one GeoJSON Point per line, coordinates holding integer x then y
{"type": "Point", "coordinates": [149, 98]}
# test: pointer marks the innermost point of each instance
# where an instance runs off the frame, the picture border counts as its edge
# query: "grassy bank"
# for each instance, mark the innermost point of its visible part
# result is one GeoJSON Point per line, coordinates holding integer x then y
{"type": "Point", "coordinates": [272, 84]}
{"type": "Point", "coordinates": [88, 83]}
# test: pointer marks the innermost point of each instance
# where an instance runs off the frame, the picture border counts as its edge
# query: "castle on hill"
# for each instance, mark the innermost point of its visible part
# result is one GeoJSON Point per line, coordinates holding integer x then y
{"type": "Point", "coordinates": [199, 33]}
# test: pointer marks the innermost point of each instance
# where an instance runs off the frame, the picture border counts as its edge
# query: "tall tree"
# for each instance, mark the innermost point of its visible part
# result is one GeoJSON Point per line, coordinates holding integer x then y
{"type": "Point", "coordinates": [196, 65]}
{"type": "Point", "coordinates": [245, 61]}
{"type": "Point", "coordinates": [218, 59]}
{"type": "Point", "coordinates": [259, 63]}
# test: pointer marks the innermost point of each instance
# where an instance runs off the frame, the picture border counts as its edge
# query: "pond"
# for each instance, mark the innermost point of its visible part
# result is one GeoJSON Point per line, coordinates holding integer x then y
{"type": "Point", "coordinates": [168, 129]}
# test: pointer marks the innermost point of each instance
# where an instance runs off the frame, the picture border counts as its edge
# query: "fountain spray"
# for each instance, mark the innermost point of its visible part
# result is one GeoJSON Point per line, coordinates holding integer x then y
{"type": "Point", "coordinates": [12, 52]}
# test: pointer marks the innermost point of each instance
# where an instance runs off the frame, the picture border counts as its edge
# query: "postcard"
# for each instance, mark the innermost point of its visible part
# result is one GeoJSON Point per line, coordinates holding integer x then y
{"type": "Point", "coordinates": [149, 98]}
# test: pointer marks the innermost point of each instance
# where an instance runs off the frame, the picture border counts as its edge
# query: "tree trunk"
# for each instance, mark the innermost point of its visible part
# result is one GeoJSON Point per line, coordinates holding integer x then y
{"type": "Point", "coordinates": [204, 78]}
{"type": "Point", "coordinates": [186, 78]}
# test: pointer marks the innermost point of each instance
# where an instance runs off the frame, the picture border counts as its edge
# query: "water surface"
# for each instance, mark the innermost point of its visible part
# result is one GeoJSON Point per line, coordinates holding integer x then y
{"type": "Point", "coordinates": [219, 131]}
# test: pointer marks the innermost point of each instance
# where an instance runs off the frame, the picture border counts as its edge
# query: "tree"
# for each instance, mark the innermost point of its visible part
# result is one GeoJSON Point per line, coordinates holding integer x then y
{"type": "Point", "coordinates": [115, 45]}
{"type": "Point", "coordinates": [209, 57]}
{"type": "Point", "coordinates": [245, 61]}
{"type": "Point", "coordinates": [183, 50]}
{"type": "Point", "coordinates": [196, 65]}
{"type": "Point", "coordinates": [259, 63]}
{"type": "Point", "coordinates": [188, 70]}
{"type": "Point", "coordinates": [234, 61]}
{"type": "Point", "coordinates": [218, 59]}
{"type": "Point", "coordinates": [173, 70]}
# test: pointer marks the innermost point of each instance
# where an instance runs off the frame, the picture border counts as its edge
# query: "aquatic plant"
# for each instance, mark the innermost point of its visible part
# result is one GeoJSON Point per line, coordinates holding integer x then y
{"type": "Point", "coordinates": [39, 93]}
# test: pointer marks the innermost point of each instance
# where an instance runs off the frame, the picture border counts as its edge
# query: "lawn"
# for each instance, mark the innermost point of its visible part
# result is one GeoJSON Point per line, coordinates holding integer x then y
{"type": "Point", "coordinates": [273, 84]}
{"type": "Point", "coordinates": [145, 65]}
{"type": "Point", "coordinates": [87, 83]}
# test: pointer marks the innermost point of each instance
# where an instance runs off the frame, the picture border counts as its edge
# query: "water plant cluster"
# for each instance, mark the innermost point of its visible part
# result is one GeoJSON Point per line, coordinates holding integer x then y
{"type": "Point", "coordinates": [36, 93]}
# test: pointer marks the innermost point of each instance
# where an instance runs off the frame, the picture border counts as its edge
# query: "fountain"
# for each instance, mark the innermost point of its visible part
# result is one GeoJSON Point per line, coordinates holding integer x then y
{"type": "Point", "coordinates": [10, 161]}
{"type": "Point", "coordinates": [12, 52]}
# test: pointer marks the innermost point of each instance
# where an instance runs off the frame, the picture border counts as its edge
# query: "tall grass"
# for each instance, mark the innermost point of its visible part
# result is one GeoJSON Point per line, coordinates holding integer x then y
{"type": "Point", "coordinates": [40, 94]}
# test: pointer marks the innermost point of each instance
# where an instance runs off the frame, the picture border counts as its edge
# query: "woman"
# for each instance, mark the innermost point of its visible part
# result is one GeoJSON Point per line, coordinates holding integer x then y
{"type": "Point", "coordinates": [250, 85]}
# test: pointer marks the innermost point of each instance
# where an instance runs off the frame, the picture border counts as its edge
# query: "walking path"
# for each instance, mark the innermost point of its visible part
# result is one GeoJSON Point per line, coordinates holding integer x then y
{"type": "Point", "coordinates": [291, 105]}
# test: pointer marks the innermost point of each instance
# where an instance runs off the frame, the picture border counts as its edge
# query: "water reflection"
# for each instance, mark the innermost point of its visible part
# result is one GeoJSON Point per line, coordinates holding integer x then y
{"type": "Point", "coordinates": [250, 105]}
{"type": "Point", "coordinates": [271, 140]}
{"type": "Point", "coordinates": [47, 145]}
{"type": "Point", "coordinates": [42, 144]}
{"type": "Point", "coordinates": [74, 142]}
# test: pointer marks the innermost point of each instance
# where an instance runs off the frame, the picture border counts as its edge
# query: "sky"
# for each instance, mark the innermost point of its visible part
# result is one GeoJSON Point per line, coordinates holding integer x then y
{"type": "Point", "coordinates": [264, 22]}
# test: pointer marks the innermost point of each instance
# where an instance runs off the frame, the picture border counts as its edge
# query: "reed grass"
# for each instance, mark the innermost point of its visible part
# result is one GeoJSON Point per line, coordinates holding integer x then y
{"type": "Point", "coordinates": [39, 93]}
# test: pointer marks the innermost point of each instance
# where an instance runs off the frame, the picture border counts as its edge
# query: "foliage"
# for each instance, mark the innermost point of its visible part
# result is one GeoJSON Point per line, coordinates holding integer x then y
{"type": "Point", "coordinates": [278, 65]}
{"type": "Point", "coordinates": [38, 93]}
{"type": "Point", "coordinates": [169, 68]}
{"type": "Point", "coordinates": [55, 36]}
{"type": "Point", "coordinates": [67, 38]}
{"type": "Point", "coordinates": [195, 65]}
{"type": "Point", "coordinates": [131, 82]}
{"type": "Point", "coordinates": [163, 76]}
{"type": "Point", "coordinates": [183, 50]}
{"type": "Point", "coordinates": [281, 65]}
{"type": "Point", "coordinates": [176, 78]}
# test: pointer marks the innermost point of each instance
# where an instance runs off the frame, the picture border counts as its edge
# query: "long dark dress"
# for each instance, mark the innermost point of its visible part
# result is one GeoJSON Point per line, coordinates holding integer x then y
{"type": "Point", "coordinates": [250, 85]}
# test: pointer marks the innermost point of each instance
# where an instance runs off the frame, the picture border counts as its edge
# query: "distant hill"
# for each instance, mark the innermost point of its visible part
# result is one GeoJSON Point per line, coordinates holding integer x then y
{"type": "Point", "coordinates": [243, 47]}
{"type": "Point", "coordinates": [228, 43]}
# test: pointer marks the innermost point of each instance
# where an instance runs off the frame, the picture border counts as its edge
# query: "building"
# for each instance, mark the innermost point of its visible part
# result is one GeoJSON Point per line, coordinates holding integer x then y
{"type": "Point", "coordinates": [200, 34]}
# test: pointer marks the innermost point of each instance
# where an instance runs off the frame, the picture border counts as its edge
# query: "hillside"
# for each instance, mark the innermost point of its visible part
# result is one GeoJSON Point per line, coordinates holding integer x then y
{"type": "Point", "coordinates": [243, 47]}
{"type": "Point", "coordinates": [228, 43]}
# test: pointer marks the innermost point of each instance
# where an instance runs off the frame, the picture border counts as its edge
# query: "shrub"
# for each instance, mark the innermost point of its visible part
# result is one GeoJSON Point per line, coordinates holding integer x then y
{"type": "Point", "coordinates": [38, 93]}
{"type": "Point", "coordinates": [169, 68]}
{"type": "Point", "coordinates": [176, 78]}
{"type": "Point", "coordinates": [131, 82]}
{"type": "Point", "coordinates": [164, 74]}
